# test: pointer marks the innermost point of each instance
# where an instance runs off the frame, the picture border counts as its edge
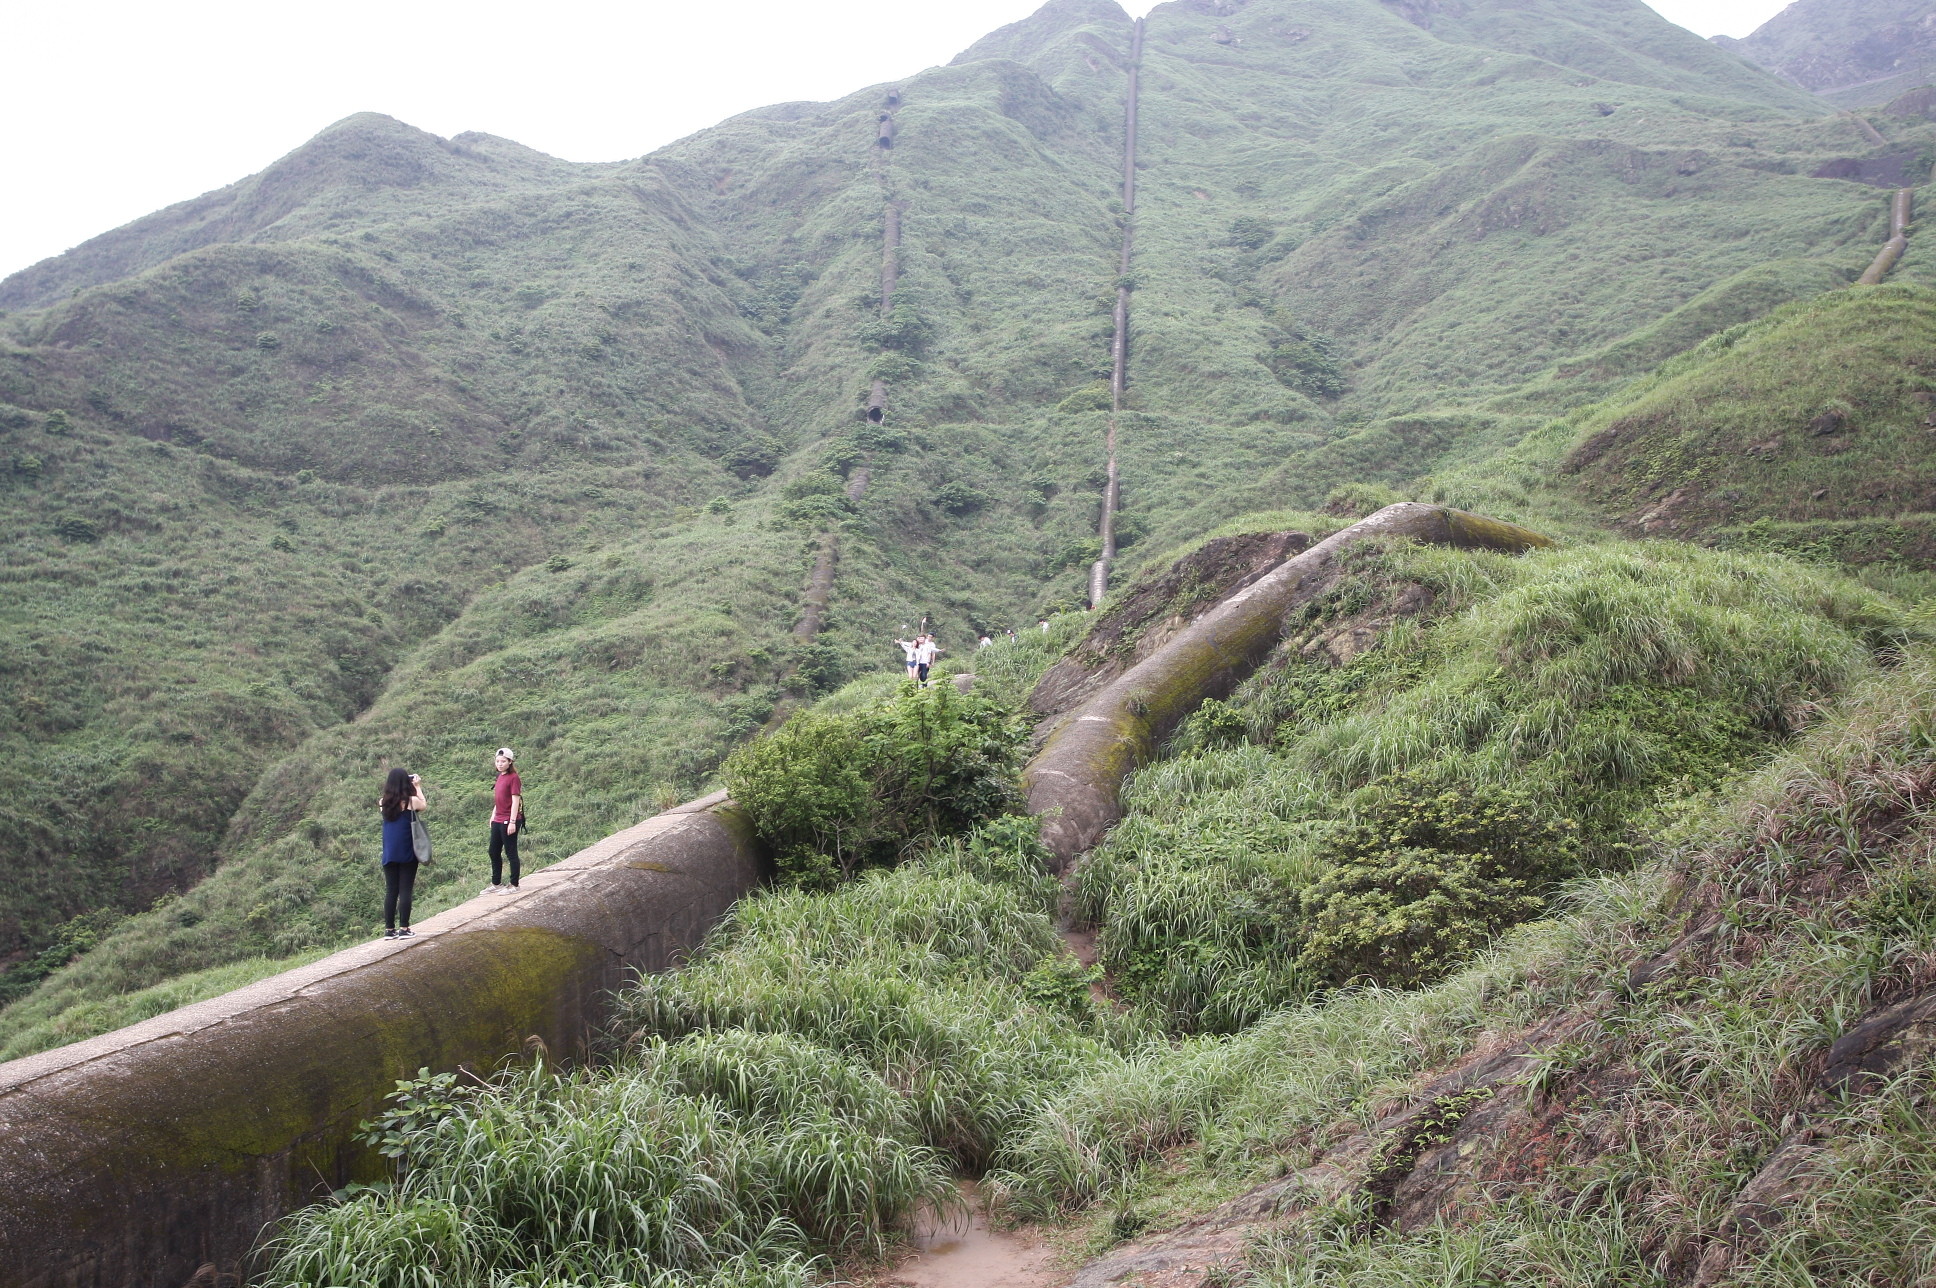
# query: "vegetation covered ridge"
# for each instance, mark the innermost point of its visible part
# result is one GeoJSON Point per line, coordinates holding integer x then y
{"type": "Point", "coordinates": [1705, 1072]}
{"type": "Point", "coordinates": [544, 453]}
{"type": "Point", "coordinates": [1073, 782]}
{"type": "Point", "coordinates": [931, 990]}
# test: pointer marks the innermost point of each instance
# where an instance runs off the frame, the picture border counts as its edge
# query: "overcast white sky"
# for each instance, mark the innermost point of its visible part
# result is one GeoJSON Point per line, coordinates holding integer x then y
{"type": "Point", "coordinates": [114, 108]}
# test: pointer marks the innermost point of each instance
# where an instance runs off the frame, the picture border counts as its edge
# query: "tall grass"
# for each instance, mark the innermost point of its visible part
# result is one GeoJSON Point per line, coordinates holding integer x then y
{"type": "Point", "coordinates": [798, 1092]}
{"type": "Point", "coordinates": [1596, 682]}
{"type": "Point", "coordinates": [832, 1058]}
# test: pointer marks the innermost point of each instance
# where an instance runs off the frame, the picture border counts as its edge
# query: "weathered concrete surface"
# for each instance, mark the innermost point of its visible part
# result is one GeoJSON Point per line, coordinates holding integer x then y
{"type": "Point", "coordinates": [1900, 207]}
{"type": "Point", "coordinates": [1076, 779]}
{"type": "Point", "coordinates": [138, 1157]}
{"type": "Point", "coordinates": [1152, 610]}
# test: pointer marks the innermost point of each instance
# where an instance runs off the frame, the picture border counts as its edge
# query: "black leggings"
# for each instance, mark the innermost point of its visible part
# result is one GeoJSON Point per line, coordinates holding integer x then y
{"type": "Point", "coordinates": [503, 842]}
{"type": "Point", "coordinates": [399, 883]}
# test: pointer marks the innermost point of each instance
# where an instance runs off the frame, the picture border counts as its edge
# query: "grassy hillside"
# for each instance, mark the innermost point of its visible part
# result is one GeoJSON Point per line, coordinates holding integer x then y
{"type": "Point", "coordinates": [1808, 429]}
{"type": "Point", "coordinates": [517, 450]}
{"type": "Point", "coordinates": [832, 1057]}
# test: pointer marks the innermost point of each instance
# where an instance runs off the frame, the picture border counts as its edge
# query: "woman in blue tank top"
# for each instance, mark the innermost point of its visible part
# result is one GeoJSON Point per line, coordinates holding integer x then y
{"type": "Point", "coordinates": [402, 798]}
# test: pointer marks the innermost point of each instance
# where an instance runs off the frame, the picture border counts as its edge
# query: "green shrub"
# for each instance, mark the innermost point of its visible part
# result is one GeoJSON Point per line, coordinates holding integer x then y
{"type": "Point", "coordinates": [755, 457]}
{"type": "Point", "coordinates": [834, 793]}
{"type": "Point", "coordinates": [1304, 361]}
{"type": "Point", "coordinates": [959, 498]}
{"type": "Point", "coordinates": [1250, 232]}
{"type": "Point", "coordinates": [1091, 397]}
{"type": "Point", "coordinates": [903, 330]}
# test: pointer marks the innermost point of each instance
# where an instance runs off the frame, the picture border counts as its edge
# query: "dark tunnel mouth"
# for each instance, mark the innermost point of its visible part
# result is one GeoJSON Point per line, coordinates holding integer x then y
{"type": "Point", "coordinates": [875, 414]}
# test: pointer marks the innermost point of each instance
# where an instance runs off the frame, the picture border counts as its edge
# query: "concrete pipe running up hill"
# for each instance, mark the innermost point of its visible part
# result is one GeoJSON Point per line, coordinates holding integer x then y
{"type": "Point", "coordinates": [157, 1154]}
{"type": "Point", "coordinates": [1075, 782]}
{"type": "Point", "coordinates": [1900, 209]}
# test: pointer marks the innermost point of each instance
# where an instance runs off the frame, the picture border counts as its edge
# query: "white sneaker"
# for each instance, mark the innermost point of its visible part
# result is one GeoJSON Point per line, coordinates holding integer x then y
{"type": "Point", "coordinates": [491, 889]}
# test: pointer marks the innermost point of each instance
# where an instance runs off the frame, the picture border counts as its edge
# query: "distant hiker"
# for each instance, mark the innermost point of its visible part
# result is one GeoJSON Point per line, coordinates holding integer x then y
{"type": "Point", "coordinates": [507, 812]}
{"type": "Point", "coordinates": [985, 641]}
{"type": "Point", "coordinates": [1011, 635]}
{"type": "Point", "coordinates": [926, 650]}
{"type": "Point", "coordinates": [912, 648]}
{"type": "Point", "coordinates": [402, 798]}
{"type": "Point", "coordinates": [1043, 626]}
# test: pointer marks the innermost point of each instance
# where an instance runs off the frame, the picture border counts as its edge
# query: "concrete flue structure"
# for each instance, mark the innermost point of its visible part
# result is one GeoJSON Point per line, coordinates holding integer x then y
{"type": "Point", "coordinates": [1900, 208]}
{"type": "Point", "coordinates": [1119, 340]}
{"type": "Point", "coordinates": [142, 1158]}
{"type": "Point", "coordinates": [826, 560]}
{"type": "Point", "coordinates": [1074, 783]}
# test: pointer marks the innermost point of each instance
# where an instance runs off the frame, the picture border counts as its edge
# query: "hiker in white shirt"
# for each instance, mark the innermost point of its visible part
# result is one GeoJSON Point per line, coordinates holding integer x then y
{"type": "Point", "coordinates": [925, 651]}
{"type": "Point", "coordinates": [912, 648]}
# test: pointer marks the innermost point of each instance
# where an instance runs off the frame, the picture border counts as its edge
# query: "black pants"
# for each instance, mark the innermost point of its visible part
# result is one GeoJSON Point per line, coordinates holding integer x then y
{"type": "Point", "coordinates": [399, 883]}
{"type": "Point", "coordinates": [504, 842]}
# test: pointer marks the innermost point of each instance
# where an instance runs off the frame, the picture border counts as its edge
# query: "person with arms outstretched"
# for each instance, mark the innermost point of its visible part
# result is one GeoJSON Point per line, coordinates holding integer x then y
{"type": "Point", "coordinates": [911, 648]}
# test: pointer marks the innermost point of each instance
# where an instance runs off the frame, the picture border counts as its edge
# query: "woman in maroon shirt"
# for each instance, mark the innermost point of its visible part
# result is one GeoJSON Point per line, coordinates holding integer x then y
{"type": "Point", "coordinates": [507, 811]}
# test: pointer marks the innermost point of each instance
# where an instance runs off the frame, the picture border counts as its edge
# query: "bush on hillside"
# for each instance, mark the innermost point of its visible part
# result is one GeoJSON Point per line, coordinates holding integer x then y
{"type": "Point", "coordinates": [1091, 397]}
{"type": "Point", "coordinates": [902, 330]}
{"type": "Point", "coordinates": [1304, 361]}
{"type": "Point", "coordinates": [836, 793]}
{"type": "Point", "coordinates": [1427, 875]}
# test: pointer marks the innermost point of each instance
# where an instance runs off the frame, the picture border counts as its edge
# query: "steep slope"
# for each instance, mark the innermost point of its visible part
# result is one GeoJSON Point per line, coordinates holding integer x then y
{"type": "Point", "coordinates": [422, 378]}
{"type": "Point", "coordinates": [1712, 1072]}
{"type": "Point", "coordinates": [1855, 53]}
{"type": "Point", "coordinates": [1812, 428]}
{"type": "Point", "coordinates": [1622, 1094]}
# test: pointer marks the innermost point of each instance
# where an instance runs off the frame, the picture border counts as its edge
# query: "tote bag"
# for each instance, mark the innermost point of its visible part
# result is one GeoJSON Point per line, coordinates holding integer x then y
{"type": "Point", "coordinates": [419, 837]}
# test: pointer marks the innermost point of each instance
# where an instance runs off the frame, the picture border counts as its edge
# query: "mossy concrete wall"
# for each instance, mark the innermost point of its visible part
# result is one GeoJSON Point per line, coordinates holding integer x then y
{"type": "Point", "coordinates": [143, 1156]}
{"type": "Point", "coordinates": [1075, 781]}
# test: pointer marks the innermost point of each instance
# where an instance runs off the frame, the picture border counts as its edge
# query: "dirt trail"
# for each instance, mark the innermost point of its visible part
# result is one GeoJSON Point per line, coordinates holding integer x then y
{"type": "Point", "coordinates": [963, 1252]}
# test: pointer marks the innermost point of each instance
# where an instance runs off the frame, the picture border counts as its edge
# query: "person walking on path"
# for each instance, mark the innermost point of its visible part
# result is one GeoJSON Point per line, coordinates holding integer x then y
{"type": "Point", "coordinates": [912, 649]}
{"type": "Point", "coordinates": [507, 812]}
{"type": "Point", "coordinates": [401, 799]}
{"type": "Point", "coordinates": [925, 652]}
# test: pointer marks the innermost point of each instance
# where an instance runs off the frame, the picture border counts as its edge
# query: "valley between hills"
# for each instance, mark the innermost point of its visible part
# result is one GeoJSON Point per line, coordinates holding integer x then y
{"type": "Point", "coordinates": [1551, 908]}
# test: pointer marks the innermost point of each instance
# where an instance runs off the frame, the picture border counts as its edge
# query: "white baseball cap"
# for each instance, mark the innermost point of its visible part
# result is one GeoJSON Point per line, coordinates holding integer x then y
{"type": "Point", "coordinates": [506, 753]}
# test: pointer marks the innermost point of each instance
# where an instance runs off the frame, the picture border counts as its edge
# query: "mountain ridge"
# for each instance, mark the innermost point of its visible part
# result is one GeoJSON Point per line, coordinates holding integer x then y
{"type": "Point", "coordinates": [601, 420]}
{"type": "Point", "coordinates": [1854, 53]}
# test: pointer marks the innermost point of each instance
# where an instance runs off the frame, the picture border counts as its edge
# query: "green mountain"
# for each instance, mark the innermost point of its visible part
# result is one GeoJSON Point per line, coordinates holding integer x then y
{"type": "Point", "coordinates": [409, 447]}
{"type": "Point", "coordinates": [1854, 53]}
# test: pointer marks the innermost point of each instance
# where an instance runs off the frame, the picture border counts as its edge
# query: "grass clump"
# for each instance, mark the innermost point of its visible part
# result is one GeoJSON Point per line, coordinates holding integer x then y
{"type": "Point", "coordinates": [672, 1165]}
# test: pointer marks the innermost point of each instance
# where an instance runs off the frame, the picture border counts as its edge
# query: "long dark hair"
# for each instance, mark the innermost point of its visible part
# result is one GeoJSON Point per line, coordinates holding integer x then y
{"type": "Point", "coordinates": [397, 791]}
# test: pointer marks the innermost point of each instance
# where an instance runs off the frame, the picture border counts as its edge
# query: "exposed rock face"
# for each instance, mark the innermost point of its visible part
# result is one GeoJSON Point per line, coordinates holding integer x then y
{"type": "Point", "coordinates": [1856, 53]}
